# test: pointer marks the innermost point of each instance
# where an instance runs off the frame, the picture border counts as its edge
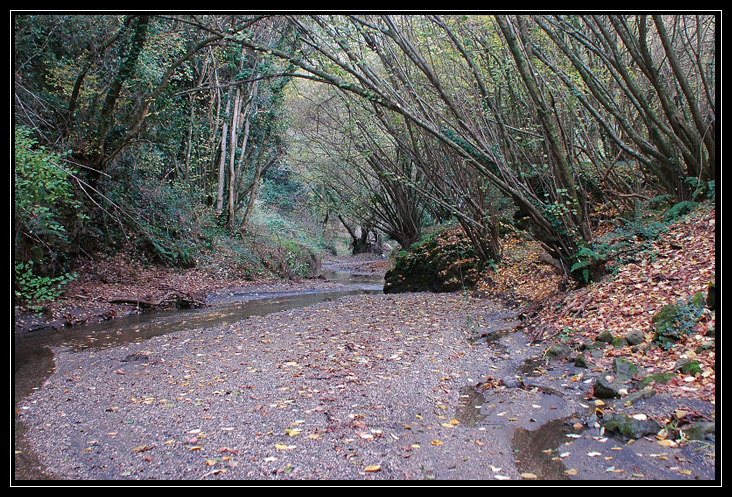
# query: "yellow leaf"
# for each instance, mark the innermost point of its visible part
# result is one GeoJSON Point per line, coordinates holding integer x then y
{"type": "Point", "coordinates": [373, 468]}
{"type": "Point", "coordinates": [437, 442]}
{"type": "Point", "coordinates": [528, 476]}
{"type": "Point", "coordinates": [571, 472]}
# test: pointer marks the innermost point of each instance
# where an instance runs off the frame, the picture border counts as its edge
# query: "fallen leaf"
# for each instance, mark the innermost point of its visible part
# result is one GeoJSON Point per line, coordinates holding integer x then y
{"type": "Point", "coordinates": [373, 468]}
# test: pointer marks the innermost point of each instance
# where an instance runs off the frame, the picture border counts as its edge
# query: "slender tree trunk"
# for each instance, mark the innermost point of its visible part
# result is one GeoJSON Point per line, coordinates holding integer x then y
{"type": "Point", "coordinates": [232, 157]}
{"type": "Point", "coordinates": [563, 168]}
{"type": "Point", "coordinates": [222, 158]}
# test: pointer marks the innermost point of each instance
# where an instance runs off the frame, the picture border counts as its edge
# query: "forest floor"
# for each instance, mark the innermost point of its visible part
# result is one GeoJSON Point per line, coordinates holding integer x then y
{"type": "Point", "coordinates": [680, 263]}
{"type": "Point", "coordinates": [385, 387]}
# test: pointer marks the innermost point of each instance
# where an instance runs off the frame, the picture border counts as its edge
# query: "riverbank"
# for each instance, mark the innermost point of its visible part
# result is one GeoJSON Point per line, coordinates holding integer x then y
{"type": "Point", "coordinates": [116, 287]}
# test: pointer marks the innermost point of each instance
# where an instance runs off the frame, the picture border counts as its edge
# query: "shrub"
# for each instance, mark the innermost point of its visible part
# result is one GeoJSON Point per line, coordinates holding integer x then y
{"type": "Point", "coordinates": [32, 289]}
{"type": "Point", "coordinates": [43, 198]}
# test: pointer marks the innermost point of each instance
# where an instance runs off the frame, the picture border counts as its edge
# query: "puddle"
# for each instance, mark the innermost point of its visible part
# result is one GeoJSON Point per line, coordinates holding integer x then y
{"type": "Point", "coordinates": [469, 403]}
{"type": "Point", "coordinates": [535, 450]}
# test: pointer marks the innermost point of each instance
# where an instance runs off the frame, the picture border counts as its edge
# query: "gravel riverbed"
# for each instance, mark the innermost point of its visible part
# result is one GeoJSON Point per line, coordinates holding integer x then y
{"type": "Point", "coordinates": [365, 387]}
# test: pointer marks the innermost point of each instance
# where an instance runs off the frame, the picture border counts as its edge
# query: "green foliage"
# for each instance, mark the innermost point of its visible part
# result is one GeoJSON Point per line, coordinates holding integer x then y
{"type": "Point", "coordinates": [44, 206]}
{"type": "Point", "coordinates": [33, 289]}
{"type": "Point", "coordinates": [617, 248]}
{"type": "Point", "coordinates": [42, 190]}
{"type": "Point", "coordinates": [588, 262]}
{"type": "Point", "coordinates": [674, 321]}
{"type": "Point", "coordinates": [679, 209]}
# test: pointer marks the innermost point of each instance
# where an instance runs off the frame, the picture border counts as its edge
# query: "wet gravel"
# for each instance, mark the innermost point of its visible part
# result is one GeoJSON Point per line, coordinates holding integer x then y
{"type": "Point", "coordinates": [367, 387]}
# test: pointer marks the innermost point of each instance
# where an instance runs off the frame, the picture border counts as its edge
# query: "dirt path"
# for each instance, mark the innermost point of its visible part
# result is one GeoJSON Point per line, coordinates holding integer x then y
{"type": "Point", "coordinates": [382, 387]}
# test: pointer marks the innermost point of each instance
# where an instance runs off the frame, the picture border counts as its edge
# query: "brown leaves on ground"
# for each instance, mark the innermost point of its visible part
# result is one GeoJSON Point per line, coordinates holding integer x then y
{"type": "Point", "coordinates": [680, 264]}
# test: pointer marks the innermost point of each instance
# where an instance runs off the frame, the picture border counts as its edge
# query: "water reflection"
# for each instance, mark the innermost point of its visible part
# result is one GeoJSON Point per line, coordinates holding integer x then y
{"type": "Point", "coordinates": [33, 360]}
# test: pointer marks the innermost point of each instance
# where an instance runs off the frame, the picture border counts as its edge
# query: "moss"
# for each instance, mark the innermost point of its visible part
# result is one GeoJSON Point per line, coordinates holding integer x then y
{"type": "Point", "coordinates": [655, 378]}
{"type": "Point", "coordinates": [690, 368]}
{"type": "Point", "coordinates": [443, 261]}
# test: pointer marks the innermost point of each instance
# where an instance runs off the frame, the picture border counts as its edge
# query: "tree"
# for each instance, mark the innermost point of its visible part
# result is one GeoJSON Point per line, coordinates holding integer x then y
{"type": "Point", "coordinates": [670, 129]}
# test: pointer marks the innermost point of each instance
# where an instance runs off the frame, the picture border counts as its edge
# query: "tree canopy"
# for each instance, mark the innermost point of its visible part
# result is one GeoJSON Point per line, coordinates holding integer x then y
{"type": "Point", "coordinates": [391, 122]}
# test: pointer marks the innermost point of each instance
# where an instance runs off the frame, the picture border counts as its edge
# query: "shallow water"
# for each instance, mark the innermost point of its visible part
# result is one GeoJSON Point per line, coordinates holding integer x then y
{"type": "Point", "coordinates": [33, 359]}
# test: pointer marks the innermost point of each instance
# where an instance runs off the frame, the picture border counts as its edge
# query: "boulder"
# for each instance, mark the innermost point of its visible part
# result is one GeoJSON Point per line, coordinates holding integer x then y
{"type": "Point", "coordinates": [605, 388]}
{"type": "Point", "coordinates": [630, 427]}
{"type": "Point", "coordinates": [605, 337]}
{"type": "Point", "coordinates": [444, 261]}
{"type": "Point", "coordinates": [624, 369]}
{"type": "Point", "coordinates": [557, 351]}
{"type": "Point", "coordinates": [635, 337]}
{"type": "Point", "coordinates": [701, 430]}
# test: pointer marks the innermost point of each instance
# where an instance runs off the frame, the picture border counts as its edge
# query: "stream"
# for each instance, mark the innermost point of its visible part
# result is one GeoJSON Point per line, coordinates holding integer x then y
{"type": "Point", "coordinates": [33, 359]}
{"type": "Point", "coordinates": [535, 439]}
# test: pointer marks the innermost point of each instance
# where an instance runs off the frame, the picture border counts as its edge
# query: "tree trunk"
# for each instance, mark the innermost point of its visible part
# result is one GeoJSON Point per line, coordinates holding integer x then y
{"type": "Point", "coordinates": [232, 157]}
{"type": "Point", "coordinates": [222, 157]}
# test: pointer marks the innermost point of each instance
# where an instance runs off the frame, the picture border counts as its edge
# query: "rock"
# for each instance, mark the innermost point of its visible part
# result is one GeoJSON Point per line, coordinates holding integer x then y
{"type": "Point", "coordinates": [646, 393]}
{"type": "Point", "coordinates": [581, 362]}
{"type": "Point", "coordinates": [674, 321]}
{"type": "Point", "coordinates": [635, 337]}
{"type": "Point", "coordinates": [659, 377]}
{"type": "Point", "coordinates": [630, 427]}
{"type": "Point", "coordinates": [607, 389]}
{"type": "Point", "coordinates": [511, 382]}
{"type": "Point", "coordinates": [624, 370]}
{"type": "Point", "coordinates": [701, 430]}
{"type": "Point", "coordinates": [558, 351]}
{"type": "Point", "coordinates": [605, 337]}
{"type": "Point", "coordinates": [712, 295]}
{"type": "Point", "coordinates": [610, 387]}
{"type": "Point", "coordinates": [688, 367]}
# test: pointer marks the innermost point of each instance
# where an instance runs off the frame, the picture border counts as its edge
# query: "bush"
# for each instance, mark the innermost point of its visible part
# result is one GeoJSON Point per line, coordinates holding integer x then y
{"type": "Point", "coordinates": [32, 289]}
{"type": "Point", "coordinates": [43, 199]}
